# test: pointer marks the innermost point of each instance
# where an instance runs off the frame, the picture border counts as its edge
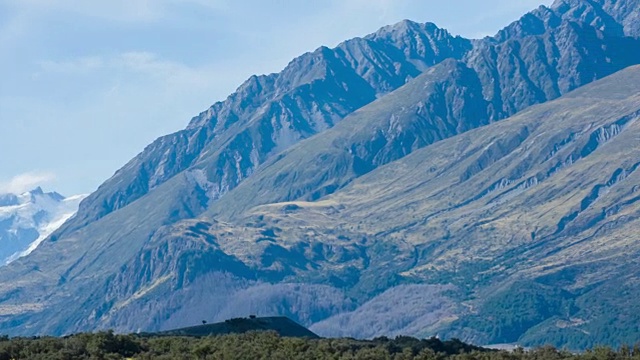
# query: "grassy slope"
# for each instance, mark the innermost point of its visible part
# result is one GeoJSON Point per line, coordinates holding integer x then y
{"type": "Point", "coordinates": [484, 210]}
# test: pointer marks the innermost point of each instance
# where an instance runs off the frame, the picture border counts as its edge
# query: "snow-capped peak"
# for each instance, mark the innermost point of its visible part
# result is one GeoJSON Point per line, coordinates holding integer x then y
{"type": "Point", "coordinates": [27, 219]}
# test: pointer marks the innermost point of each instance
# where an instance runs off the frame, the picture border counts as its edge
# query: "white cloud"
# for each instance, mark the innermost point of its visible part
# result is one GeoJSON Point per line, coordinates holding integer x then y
{"type": "Point", "coordinates": [144, 62]}
{"type": "Point", "coordinates": [80, 65]}
{"type": "Point", "coordinates": [25, 182]}
{"type": "Point", "coordinates": [148, 66]}
{"type": "Point", "coordinates": [118, 10]}
{"type": "Point", "coordinates": [217, 5]}
{"type": "Point", "coordinates": [135, 11]}
{"type": "Point", "coordinates": [133, 61]}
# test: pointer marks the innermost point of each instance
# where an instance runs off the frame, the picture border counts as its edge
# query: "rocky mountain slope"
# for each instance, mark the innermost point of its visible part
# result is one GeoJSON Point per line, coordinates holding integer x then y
{"type": "Point", "coordinates": [377, 173]}
{"type": "Point", "coordinates": [267, 114]}
{"type": "Point", "coordinates": [27, 219]}
{"type": "Point", "coordinates": [534, 215]}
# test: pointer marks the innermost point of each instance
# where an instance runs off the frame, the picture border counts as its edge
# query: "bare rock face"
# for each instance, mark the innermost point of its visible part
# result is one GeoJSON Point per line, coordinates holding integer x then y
{"type": "Point", "coordinates": [624, 12]}
{"type": "Point", "coordinates": [333, 187]}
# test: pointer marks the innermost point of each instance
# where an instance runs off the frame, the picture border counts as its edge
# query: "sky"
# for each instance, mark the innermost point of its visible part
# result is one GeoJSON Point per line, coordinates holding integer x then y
{"type": "Point", "coordinates": [86, 85]}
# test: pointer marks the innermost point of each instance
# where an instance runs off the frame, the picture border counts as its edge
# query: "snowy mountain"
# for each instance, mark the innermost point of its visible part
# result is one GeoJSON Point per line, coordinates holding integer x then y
{"type": "Point", "coordinates": [27, 219]}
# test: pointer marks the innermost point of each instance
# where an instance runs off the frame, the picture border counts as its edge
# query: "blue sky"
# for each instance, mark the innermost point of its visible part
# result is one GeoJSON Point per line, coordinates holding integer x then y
{"type": "Point", "coordinates": [86, 85]}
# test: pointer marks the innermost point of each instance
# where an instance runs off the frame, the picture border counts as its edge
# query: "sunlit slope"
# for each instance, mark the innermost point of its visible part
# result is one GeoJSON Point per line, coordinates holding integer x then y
{"type": "Point", "coordinates": [551, 195]}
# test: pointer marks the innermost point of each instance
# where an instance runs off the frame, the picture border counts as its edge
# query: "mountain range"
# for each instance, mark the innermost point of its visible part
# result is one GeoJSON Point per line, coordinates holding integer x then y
{"type": "Point", "coordinates": [27, 219]}
{"type": "Point", "coordinates": [406, 182]}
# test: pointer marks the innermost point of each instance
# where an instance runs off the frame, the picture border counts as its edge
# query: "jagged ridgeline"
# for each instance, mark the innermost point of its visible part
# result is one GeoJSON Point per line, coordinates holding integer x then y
{"type": "Point", "coordinates": [401, 183]}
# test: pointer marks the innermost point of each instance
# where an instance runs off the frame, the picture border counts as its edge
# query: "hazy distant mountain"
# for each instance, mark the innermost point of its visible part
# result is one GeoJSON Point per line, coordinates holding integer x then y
{"type": "Point", "coordinates": [27, 219]}
{"type": "Point", "coordinates": [376, 188]}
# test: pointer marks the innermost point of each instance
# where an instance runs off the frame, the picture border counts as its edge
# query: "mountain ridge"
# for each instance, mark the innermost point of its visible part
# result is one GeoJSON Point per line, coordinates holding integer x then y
{"type": "Point", "coordinates": [229, 171]}
{"type": "Point", "coordinates": [203, 128]}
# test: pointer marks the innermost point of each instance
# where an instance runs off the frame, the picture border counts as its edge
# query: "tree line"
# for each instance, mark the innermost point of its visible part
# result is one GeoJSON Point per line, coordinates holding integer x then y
{"type": "Point", "coordinates": [269, 345]}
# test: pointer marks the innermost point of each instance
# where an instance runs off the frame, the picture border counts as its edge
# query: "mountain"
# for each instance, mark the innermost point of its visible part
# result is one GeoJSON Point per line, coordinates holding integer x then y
{"type": "Point", "coordinates": [533, 219]}
{"type": "Point", "coordinates": [27, 219]}
{"type": "Point", "coordinates": [268, 114]}
{"type": "Point", "coordinates": [406, 182]}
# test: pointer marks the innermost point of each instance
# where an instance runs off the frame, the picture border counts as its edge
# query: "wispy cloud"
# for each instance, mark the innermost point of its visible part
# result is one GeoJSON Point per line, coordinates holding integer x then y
{"type": "Point", "coordinates": [79, 65]}
{"type": "Point", "coordinates": [141, 63]}
{"type": "Point", "coordinates": [148, 63]}
{"type": "Point", "coordinates": [25, 182]}
{"type": "Point", "coordinates": [116, 10]}
{"type": "Point", "coordinates": [132, 11]}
